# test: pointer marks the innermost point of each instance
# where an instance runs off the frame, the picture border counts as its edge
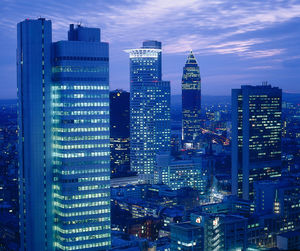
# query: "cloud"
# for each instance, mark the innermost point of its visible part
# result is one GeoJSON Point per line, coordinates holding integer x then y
{"type": "Point", "coordinates": [236, 30]}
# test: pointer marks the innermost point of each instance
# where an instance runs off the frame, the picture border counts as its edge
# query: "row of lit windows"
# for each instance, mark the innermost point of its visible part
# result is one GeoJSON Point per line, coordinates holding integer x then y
{"type": "Point", "coordinates": [80, 129]}
{"type": "Point", "coordinates": [81, 213]}
{"type": "Point", "coordinates": [83, 246]}
{"type": "Point", "coordinates": [78, 205]}
{"type": "Point", "coordinates": [82, 221]}
{"type": "Point", "coordinates": [81, 104]}
{"type": "Point", "coordinates": [81, 196]}
{"type": "Point", "coordinates": [78, 69]}
{"type": "Point", "coordinates": [80, 154]}
{"type": "Point", "coordinates": [84, 171]}
{"type": "Point", "coordinates": [94, 187]}
{"type": "Point", "coordinates": [80, 95]}
{"type": "Point", "coordinates": [72, 113]}
{"type": "Point", "coordinates": [79, 138]}
{"type": "Point", "coordinates": [81, 230]}
{"type": "Point", "coordinates": [94, 179]}
{"type": "Point", "coordinates": [85, 146]}
{"type": "Point", "coordinates": [80, 87]}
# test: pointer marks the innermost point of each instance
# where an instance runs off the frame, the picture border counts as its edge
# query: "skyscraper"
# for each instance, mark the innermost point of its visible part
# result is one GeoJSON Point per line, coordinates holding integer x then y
{"type": "Point", "coordinates": [256, 137]}
{"type": "Point", "coordinates": [63, 96]}
{"type": "Point", "coordinates": [34, 119]}
{"type": "Point", "coordinates": [149, 108]}
{"type": "Point", "coordinates": [119, 132]}
{"type": "Point", "coordinates": [191, 103]}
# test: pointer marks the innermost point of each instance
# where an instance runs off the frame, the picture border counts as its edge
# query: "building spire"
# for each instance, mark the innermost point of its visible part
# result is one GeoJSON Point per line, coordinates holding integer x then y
{"type": "Point", "coordinates": [191, 59]}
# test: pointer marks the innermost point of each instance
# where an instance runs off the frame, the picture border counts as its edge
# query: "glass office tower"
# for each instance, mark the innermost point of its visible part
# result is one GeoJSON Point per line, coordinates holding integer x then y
{"type": "Point", "coordinates": [256, 137]}
{"type": "Point", "coordinates": [149, 109]}
{"type": "Point", "coordinates": [119, 132]}
{"type": "Point", "coordinates": [191, 103]}
{"type": "Point", "coordinates": [71, 110]}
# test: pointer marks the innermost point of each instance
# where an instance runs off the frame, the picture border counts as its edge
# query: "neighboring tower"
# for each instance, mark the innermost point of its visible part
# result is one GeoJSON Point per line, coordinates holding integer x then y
{"type": "Point", "coordinates": [64, 139]}
{"type": "Point", "coordinates": [256, 137]}
{"type": "Point", "coordinates": [119, 132]}
{"type": "Point", "coordinates": [191, 103]}
{"type": "Point", "coordinates": [149, 108]}
{"type": "Point", "coordinates": [35, 167]}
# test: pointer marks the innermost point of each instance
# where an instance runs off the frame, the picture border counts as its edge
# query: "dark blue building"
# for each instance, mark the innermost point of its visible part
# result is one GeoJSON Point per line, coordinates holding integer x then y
{"type": "Point", "coordinates": [119, 132]}
{"type": "Point", "coordinates": [256, 137]}
{"type": "Point", "coordinates": [191, 103]}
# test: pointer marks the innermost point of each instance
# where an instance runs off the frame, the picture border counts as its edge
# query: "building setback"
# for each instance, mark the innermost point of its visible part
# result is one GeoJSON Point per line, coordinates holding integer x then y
{"type": "Point", "coordinates": [256, 137]}
{"type": "Point", "coordinates": [191, 103]}
{"type": "Point", "coordinates": [63, 93]}
{"type": "Point", "coordinates": [149, 108]}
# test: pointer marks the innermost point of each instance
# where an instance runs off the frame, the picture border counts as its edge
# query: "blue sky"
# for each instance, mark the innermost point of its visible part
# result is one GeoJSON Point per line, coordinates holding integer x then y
{"type": "Point", "coordinates": [235, 42]}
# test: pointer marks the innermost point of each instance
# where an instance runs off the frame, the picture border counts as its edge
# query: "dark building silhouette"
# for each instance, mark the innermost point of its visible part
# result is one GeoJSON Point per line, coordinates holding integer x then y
{"type": "Point", "coordinates": [119, 132]}
{"type": "Point", "coordinates": [191, 103]}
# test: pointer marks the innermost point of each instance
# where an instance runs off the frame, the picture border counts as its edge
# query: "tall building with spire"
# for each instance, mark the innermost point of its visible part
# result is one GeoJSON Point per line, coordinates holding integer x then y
{"type": "Point", "coordinates": [63, 117]}
{"type": "Point", "coordinates": [191, 103]}
{"type": "Point", "coordinates": [150, 128]}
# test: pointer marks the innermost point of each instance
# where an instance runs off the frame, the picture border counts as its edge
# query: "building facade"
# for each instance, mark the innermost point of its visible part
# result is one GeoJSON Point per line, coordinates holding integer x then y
{"type": "Point", "coordinates": [256, 137]}
{"type": "Point", "coordinates": [181, 173]}
{"type": "Point", "coordinates": [191, 103]}
{"type": "Point", "coordinates": [63, 92]}
{"type": "Point", "coordinates": [210, 232]}
{"type": "Point", "coordinates": [149, 108]}
{"type": "Point", "coordinates": [119, 132]}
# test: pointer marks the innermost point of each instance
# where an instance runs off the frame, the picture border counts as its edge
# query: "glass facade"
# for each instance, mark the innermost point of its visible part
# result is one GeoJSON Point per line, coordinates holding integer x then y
{"type": "Point", "coordinates": [74, 119]}
{"type": "Point", "coordinates": [256, 136]}
{"type": "Point", "coordinates": [191, 103]}
{"type": "Point", "coordinates": [149, 108]}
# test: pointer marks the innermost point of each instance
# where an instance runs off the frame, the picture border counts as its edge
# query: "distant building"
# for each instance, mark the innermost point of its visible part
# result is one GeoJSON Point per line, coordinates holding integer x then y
{"type": "Point", "coordinates": [289, 241]}
{"type": "Point", "coordinates": [191, 103]}
{"type": "Point", "coordinates": [150, 126]}
{"type": "Point", "coordinates": [63, 118]}
{"type": "Point", "coordinates": [119, 132]}
{"type": "Point", "coordinates": [181, 173]}
{"type": "Point", "coordinates": [186, 236]}
{"type": "Point", "coordinates": [256, 137]}
{"type": "Point", "coordinates": [281, 198]}
{"type": "Point", "coordinates": [210, 232]}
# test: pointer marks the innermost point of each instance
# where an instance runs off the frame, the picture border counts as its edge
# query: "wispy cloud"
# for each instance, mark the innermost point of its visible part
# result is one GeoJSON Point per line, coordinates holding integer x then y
{"type": "Point", "coordinates": [243, 29]}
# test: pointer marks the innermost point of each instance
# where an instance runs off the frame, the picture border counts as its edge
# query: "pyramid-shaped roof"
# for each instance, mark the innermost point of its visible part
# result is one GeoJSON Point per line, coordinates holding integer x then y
{"type": "Point", "coordinates": [191, 60]}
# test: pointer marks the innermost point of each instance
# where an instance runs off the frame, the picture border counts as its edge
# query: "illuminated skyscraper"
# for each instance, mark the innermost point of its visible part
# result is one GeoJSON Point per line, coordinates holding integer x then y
{"type": "Point", "coordinates": [256, 137]}
{"type": "Point", "coordinates": [119, 132]}
{"type": "Point", "coordinates": [63, 95]}
{"type": "Point", "coordinates": [191, 103]}
{"type": "Point", "coordinates": [149, 108]}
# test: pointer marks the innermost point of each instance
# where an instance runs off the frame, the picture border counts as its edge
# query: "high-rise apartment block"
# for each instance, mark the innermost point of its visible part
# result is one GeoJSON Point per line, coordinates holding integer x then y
{"type": "Point", "coordinates": [63, 93]}
{"type": "Point", "coordinates": [256, 137]}
{"type": "Point", "coordinates": [149, 108]}
{"type": "Point", "coordinates": [119, 132]}
{"type": "Point", "coordinates": [191, 103]}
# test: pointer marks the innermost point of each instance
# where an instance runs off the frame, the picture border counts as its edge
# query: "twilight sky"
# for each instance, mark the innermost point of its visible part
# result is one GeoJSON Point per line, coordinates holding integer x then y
{"type": "Point", "coordinates": [235, 42]}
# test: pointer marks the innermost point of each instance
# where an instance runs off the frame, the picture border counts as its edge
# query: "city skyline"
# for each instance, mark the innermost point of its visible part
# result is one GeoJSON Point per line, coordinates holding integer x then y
{"type": "Point", "coordinates": [233, 46]}
{"type": "Point", "coordinates": [145, 125]}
